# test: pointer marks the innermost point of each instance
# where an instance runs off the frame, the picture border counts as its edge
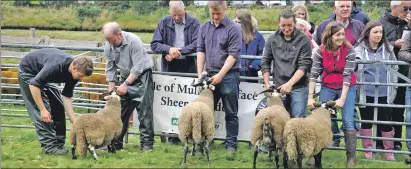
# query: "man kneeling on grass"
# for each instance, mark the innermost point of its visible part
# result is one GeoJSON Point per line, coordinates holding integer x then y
{"type": "Point", "coordinates": [39, 71]}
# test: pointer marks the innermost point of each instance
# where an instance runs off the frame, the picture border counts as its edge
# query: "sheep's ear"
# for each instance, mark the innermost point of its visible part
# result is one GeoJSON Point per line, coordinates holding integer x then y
{"type": "Point", "coordinates": [332, 111]}
{"type": "Point", "coordinates": [106, 97]}
{"type": "Point", "coordinates": [211, 87]}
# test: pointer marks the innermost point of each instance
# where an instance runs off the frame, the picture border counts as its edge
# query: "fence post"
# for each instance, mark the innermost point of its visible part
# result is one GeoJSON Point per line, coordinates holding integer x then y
{"type": "Point", "coordinates": [32, 32]}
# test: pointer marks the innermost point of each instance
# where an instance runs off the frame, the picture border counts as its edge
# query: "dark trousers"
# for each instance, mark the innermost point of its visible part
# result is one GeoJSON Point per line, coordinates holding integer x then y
{"type": "Point", "coordinates": [384, 114]}
{"type": "Point", "coordinates": [250, 72]}
{"type": "Point", "coordinates": [397, 115]}
{"type": "Point", "coordinates": [227, 90]}
{"type": "Point", "coordinates": [52, 135]}
{"type": "Point", "coordinates": [187, 65]}
{"type": "Point", "coordinates": [139, 96]}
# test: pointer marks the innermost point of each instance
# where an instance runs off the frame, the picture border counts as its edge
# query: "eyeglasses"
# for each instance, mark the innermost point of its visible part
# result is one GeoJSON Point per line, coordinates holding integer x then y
{"type": "Point", "coordinates": [405, 9]}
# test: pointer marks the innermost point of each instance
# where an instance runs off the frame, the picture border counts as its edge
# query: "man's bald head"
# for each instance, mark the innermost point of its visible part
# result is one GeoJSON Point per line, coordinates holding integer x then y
{"type": "Point", "coordinates": [111, 28]}
{"type": "Point", "coordinates": [112, 33]}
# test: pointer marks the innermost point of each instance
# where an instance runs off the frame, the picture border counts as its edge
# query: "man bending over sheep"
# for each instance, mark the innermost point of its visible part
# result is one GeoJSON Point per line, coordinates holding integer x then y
{"type": "Point", "coordinates": [38, 74]}
{"type": "Point", "coordinates": [218, 46]}
{"type": "Point", "coordinates": [125, 51]}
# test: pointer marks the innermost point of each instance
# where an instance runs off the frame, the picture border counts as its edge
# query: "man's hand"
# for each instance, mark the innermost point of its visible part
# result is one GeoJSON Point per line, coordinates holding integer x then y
{"type": "Point", "coordinates": [398, 43]}
{"type": "Point", "coordinates": [174, 52]}
{"type": "Point", "coordinates": [266, 86]}
{"type": "Point", "coordinates": [408, 19]}
{"type": "Point", "coordinates": [45, 116]}
{"type": "Point", "coordinates": [339, 103]}
{"type": "Point", "coordinates": [310, 103]}
{"type": "Point", "coordinates": [216, 79]}
{"type": "Point", "coordinates": [286, 88]}
{"type": "Point", "coordinates": [122, 89]}
{"type": "Point", "coordinates": [169, 58]}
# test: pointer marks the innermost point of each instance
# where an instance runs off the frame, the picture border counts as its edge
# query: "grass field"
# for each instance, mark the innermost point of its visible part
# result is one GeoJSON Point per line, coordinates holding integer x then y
{"type": "Point", "coordinates": [20, 149]}
{"type": "Point", "coordinates": [69, 35]}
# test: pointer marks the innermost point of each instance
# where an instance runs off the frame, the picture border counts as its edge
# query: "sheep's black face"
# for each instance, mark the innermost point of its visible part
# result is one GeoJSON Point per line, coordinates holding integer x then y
{"type": "Point", "coordinates": [328, 106]}
{"type": "Point", "coordinates": [204, 82]}
{"type": "Point", "coordinates": [267, 133]}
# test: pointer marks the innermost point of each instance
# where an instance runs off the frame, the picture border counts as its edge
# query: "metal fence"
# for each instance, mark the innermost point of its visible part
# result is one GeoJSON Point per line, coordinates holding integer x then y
{"type": "Point", "coordinates": [79, 102]}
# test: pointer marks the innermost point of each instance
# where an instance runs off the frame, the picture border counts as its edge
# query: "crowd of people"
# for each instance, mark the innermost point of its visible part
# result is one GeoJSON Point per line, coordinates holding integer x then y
{"type": "Point", "coordinates": [296, 55]}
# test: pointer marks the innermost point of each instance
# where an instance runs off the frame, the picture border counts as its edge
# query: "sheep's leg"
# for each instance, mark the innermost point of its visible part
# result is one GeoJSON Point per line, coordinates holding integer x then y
{"type": "Point", "coordinates": [300, 160]}
{"type": "Point", "coordinates": [270, 155]}
{"type": "Point", "coordinates": [91, 148]}
{"type": "Point", "coordinates": [285, 160]}
{"type": "Point", "coordinates": [317, 159]}
{"type": "Point", "coordinates": [277, 158]}
{"type": "Point", "coordinates": [255, 155]}
{"type": "Point", "coordinates": [73, 152]}
{"type": "Point", "coordinates": [207, 152]}
{"type": "Point", "coordinates": [185, 152]}
{"type": "Point", "coordinates": [193, 153]}
{"type": "Point", "coordinates": [111, 147]}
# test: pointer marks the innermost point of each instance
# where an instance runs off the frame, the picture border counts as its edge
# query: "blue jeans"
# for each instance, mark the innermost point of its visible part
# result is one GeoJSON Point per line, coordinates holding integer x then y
{"type": "Point", "coordinates": [408, 116]}
{"type": "Point", "coordinates": [228, 90]}
{"type": "Point", "coordinates": [296, 102]}
{"type": "Point", "coordinates": [327, 94]}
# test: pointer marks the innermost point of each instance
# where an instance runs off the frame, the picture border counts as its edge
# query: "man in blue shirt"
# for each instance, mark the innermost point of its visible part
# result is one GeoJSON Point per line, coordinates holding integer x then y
{"type": "Point", "coordinates": [219, 46]}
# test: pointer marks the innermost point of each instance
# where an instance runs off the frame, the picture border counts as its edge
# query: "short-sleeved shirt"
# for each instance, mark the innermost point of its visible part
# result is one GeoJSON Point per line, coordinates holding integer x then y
{"type": "Point", "coordinates": [49, 65]}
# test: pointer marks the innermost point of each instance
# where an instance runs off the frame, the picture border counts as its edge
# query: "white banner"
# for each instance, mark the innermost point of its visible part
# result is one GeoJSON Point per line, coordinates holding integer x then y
{"type": "Point", "coordinates": [172, 93]}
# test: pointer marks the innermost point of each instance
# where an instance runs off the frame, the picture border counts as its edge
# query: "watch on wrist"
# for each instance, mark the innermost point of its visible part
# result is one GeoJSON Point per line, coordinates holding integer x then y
{"type": "Point", "coordinates": [127, 83]}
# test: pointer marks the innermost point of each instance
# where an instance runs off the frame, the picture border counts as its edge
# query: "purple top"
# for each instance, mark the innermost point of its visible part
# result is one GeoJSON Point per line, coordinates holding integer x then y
{"type": "Point", "coordinates": [219, 42]}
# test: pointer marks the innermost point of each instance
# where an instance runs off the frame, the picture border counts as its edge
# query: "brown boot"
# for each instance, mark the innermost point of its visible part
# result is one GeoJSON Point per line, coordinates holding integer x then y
{"type": "Point", "coordinates": [350, 137]}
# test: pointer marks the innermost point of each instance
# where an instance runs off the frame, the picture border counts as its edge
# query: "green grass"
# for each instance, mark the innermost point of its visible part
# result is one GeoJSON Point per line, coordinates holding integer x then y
{"type": "Point", "coordinates": [69, 35]}
{"type": "Point", "coordinates": [20, 149]}
{"type": "Point", "coordinates": [131, 19]}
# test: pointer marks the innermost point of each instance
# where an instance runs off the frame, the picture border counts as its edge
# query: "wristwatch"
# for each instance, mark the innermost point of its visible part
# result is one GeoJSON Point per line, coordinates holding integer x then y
{"type": "Point", "coordinates": [127, 83]}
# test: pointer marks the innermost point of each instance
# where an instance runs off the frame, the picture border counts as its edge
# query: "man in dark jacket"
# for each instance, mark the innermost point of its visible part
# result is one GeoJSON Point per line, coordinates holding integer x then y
{"type": "Point", "coordinates": [395, 22]}
{"type": "Point", "coordinates": [176, 36]}
{"type": "Point", "coordinates": [353, 28]}
{"type": "Point", "coordinates": [356, 13]}
{"type": "Point", "coordinates": [290, 50]}
{"type": "Point", "coordinates": [38, 73]}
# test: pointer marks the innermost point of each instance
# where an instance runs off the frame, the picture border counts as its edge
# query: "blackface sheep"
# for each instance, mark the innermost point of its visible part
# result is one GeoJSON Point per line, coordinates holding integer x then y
{"type": "Point", "coordinates": [97, 129]}
{"type": "Point", "coordinates": [269, 125]}
{"type": "Point", "coordinates": [196, 122]}
{"type": "Point", "coordinates": [305, 137]}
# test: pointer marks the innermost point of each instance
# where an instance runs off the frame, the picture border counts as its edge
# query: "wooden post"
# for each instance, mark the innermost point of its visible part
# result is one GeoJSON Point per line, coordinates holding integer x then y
{"type": "Point", "coordinates": [32, 32]}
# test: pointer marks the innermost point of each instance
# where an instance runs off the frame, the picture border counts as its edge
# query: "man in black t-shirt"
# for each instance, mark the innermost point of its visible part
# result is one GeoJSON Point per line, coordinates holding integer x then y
{"type": "Point", "coordinates": [37, 75]}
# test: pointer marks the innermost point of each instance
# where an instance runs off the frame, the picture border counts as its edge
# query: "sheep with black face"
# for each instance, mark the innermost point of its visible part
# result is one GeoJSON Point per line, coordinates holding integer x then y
{"type": "Point", "coordinates": [97, 130]}
{"type": "Point", "coordinates": [196, 122]}
{"type": "Point", "coordinates": [269, 125]}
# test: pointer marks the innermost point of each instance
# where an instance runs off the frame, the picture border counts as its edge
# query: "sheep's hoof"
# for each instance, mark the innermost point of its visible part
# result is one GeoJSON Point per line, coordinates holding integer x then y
{"type": "Point", "coordinates": [74, 158]}
{"type": "Point", "coordinates": [183, 164]}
